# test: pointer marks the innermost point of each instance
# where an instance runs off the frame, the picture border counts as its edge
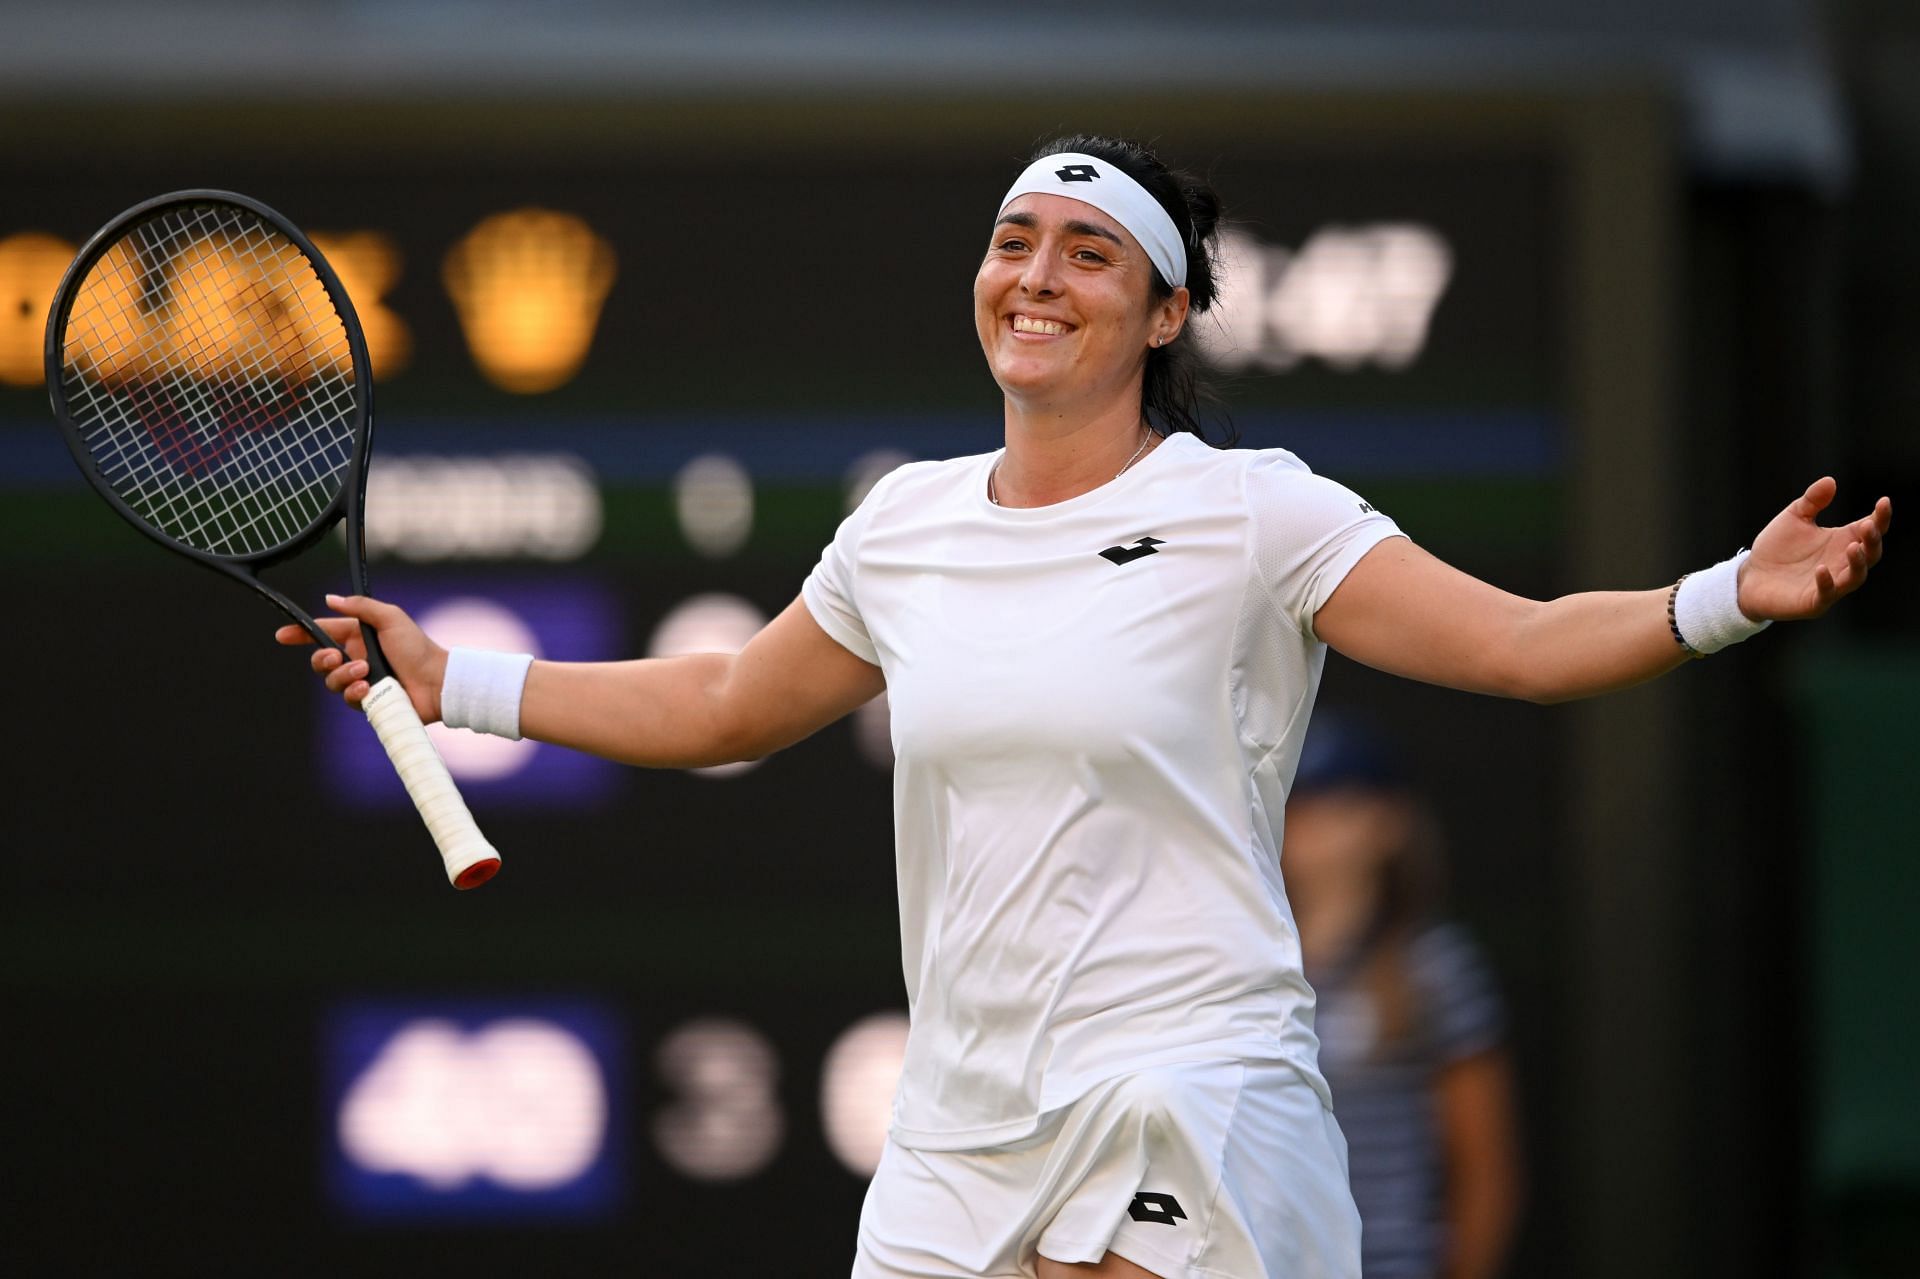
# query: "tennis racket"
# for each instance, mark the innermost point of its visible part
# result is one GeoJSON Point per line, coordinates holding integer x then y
{"type": "Point", "coordinates": [211, 379]}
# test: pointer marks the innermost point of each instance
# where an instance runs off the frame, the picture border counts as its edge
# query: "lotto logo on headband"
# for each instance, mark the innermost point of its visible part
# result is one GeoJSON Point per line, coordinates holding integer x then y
{"type": "Point", "coordinates": [1114, 192]}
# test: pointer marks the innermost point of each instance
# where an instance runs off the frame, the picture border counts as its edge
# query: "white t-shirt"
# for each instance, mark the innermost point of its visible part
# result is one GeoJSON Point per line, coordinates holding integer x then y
{"type": "Point", "coordinates": [1097, 711]}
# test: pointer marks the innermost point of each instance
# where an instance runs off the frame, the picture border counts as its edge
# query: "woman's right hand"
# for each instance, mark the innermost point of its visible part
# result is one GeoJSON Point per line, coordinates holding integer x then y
{"type": "Point", "coordinates": [418, 663]}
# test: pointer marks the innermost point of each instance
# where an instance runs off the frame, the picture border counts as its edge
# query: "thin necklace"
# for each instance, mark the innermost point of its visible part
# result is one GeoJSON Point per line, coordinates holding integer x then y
{"type": "Point", "coordinates": [1145, 439]}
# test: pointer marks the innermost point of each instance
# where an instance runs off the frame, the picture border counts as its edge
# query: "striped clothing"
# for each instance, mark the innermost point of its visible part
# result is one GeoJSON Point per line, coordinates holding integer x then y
{"type": "Point", "coordinates": [1384, 1099]}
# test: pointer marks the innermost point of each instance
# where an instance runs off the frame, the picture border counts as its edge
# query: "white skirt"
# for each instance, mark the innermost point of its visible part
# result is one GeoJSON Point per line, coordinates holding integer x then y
{"type": "Point", "coordinates": [1215, 1170]}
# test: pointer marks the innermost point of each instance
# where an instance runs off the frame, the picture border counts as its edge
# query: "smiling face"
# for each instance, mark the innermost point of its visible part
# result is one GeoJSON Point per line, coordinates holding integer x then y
{"type": "Point", "coordinates": [1064, 305]}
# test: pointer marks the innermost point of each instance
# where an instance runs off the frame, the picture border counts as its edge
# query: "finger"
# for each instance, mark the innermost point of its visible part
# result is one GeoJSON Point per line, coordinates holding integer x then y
{"type": "Point", "coordinates": [358, 693]}
{"type": "Point", "coordinates": [1815, 499]}
{"type": "Point", "coordinates": [345, 676]}
{"type": "Point", "coordinates": [1823, 586]}
{"type": "Point", "coordinates": [1851, 573]}
{"type": "Point", "coordinates": [377, 613]}
{"type": "Point", "coordinates": [1880, 517]}
{"type": "Point", "coordinates": [337, 629]}
{"type": "Point", "coordinates": [331, 659]}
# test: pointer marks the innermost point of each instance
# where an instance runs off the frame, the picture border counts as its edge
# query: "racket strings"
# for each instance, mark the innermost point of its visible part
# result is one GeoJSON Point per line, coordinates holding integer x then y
{"type": "Point", "coordinates": [210, 377]}
{"type": "Point", "coordinates": [172, 412]}
{"type": "Point", "coordinates": [200, 294]}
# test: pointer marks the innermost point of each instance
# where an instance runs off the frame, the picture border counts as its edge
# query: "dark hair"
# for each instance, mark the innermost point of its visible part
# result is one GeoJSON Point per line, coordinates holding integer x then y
{"type": "Point", "coordinates": [1342, 749]}
{"type": "Point", "coordinates": [1175, 388]}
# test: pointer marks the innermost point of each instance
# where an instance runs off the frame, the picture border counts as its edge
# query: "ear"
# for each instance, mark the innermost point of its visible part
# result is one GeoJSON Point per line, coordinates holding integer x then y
{"type": "Point", "coordinates": [1170, 316]}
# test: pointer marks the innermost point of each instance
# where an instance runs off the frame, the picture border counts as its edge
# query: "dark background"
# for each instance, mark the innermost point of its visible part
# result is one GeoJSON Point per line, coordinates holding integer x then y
{"type": "Point", "coordinates": [1694, 895]}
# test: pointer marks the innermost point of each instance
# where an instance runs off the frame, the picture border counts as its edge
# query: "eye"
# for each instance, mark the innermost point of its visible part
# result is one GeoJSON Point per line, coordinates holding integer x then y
{"type": "Point", "coordinates": [1090, 255]}
{"type": "Point", "coordinates": [1012, 244]}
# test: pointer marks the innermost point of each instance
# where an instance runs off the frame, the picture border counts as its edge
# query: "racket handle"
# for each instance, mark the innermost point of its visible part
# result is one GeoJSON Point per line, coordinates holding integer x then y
{"type": "Point", "coordinates": [471, 860]}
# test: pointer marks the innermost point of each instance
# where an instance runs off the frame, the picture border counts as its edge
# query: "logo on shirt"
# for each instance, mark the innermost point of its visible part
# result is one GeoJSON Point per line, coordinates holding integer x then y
{"type": "Point", "coordinates": [1128, 554]}
{"type": "Point", "coordinates": [1077, 173]}
{"type": "Point", "coordinates": [1366, 508]}
{"type": "Point", "coordinates": [1151, 1206]}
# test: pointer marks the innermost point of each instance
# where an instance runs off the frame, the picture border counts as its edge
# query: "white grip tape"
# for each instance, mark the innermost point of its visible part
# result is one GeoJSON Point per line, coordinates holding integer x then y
{"type": "Point", "coordinates": [391, 713]}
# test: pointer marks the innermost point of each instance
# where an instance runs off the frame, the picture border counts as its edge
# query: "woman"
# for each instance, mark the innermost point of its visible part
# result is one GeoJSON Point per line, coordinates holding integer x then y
{"type": "Point", "coordinates": [1412, 1036]}
{"type": "Point", "coordinates": [1101, 645]}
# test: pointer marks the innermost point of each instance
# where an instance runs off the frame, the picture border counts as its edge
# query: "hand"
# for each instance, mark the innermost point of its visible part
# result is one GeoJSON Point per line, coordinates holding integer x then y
{"type": "Point", "coordinates": [1797, 568]}
{"type": "Point", "coordinates": [418, 663]}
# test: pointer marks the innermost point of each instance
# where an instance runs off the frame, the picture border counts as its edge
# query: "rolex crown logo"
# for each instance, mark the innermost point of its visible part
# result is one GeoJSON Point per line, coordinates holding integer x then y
{"type": "Point", "coordinates": [528, 285]}
{"type": "Point", "coordinates": [111, 334]}
{"type": "Point", "coordinates": [31, 265]}
{"type": "Point", "coordinates": [245, 312]}
{"type": "Point", "coordinates": [368, 264]}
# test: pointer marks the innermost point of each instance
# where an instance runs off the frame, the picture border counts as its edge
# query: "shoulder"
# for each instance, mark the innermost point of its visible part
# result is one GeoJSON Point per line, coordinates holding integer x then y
{"type": "Point", "coordinates": [1280, 476]}
{"type": "Point", "coordinates": [1185, 451]}
{"type": "Point", "coordinates": [919, 481]}
{"type": "Point", "coordinates": [1266, 476]}
{"type": "Point", "coordinates": [1184, 460]}
{"type": "Point", "coordinates": [1447, 963]}
{"type": "Point", "coordinates": [912, 486]}
{"type": "Point", "coordinates": [1444, 946]}
{"type": "Point", "coordinates": [1293, 509]}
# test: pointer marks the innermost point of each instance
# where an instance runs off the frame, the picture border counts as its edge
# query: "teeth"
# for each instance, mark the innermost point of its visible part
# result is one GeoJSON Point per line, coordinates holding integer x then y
{"type": "Point", "coordinates": [1027, 324]}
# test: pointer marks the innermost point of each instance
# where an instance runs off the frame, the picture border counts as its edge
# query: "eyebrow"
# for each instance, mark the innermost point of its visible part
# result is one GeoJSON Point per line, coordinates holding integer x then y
{"type": "Point", "coordinates": [1074, 227]}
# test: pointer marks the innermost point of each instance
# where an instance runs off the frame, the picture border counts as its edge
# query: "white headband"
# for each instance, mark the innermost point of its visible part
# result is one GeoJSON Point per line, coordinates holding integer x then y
{"type": "Point", "coordinates": [1114, 193]}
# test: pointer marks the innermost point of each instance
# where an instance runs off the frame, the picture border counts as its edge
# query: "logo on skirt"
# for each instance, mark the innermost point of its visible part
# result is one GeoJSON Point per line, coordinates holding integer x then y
{"type": "Point", "coordinates": [1150, 1206]}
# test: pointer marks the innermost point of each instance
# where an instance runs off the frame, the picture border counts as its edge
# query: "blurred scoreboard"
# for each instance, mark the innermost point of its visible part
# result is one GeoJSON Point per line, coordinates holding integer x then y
{"type": "Point", "coordinates": [601, 271]}
{"type": "Point", "coordinates": [635, 364]}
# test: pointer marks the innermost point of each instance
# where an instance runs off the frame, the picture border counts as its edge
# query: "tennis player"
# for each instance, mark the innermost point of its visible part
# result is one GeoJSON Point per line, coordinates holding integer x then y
{"type": "Point", "coordinates": [1101, 645]}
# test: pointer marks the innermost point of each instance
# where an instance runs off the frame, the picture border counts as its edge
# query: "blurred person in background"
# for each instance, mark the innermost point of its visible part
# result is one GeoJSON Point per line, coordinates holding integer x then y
{"type": "Point", "coordinates": [1411, 1024]}
{"type": "Point", "coordinates": [1101, 645]}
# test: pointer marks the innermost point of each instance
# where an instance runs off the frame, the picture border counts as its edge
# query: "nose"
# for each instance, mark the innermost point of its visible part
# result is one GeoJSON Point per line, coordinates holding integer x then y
{"type": "Point", "coordinates": [1039, 278]}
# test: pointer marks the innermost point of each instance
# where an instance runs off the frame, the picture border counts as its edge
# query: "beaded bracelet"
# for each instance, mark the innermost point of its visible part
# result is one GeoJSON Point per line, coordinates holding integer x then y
{"type": "Point", "coordinates": [1673, 622]}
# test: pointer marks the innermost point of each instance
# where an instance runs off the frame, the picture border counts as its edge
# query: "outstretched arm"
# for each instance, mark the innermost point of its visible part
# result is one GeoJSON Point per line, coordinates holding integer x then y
{"type": "Point", "coordinates": [1403, 611]}
{"type": "Point", "coordinates": [791, 680]}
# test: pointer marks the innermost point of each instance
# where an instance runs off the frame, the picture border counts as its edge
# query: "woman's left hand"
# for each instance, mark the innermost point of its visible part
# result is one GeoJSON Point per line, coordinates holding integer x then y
{"type": "Point", "coordinates": [1797, 568]}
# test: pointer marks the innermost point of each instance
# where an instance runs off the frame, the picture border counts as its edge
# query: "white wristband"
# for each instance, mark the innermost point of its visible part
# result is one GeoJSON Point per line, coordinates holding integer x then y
{"type": "Point", "coordinates": [481, 691]}
{"type": "Point", "coordinates": [1706, 608]}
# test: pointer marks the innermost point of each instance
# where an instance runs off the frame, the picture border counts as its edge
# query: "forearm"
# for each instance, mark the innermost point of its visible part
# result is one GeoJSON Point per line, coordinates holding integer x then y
{"type": "Point", "coordinates": [1480, 1143]}
{"type": "Point", "coordinates": [1481, 1218]}
{"type": "Point", "coordinates": [668, 712]}
{"type": "Point", "coordinates": [1590, 643]}
{"type": "Point", "coordinates": [1403, 611]}
{"type": "Point", "coordinates": [692, 711]}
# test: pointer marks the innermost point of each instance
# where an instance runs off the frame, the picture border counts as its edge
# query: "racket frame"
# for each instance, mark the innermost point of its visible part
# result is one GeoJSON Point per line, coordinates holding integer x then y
{"type": "Point", "coordinates": [349, 502]}
{"type": "Point", "coordinates": [388, 706]}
